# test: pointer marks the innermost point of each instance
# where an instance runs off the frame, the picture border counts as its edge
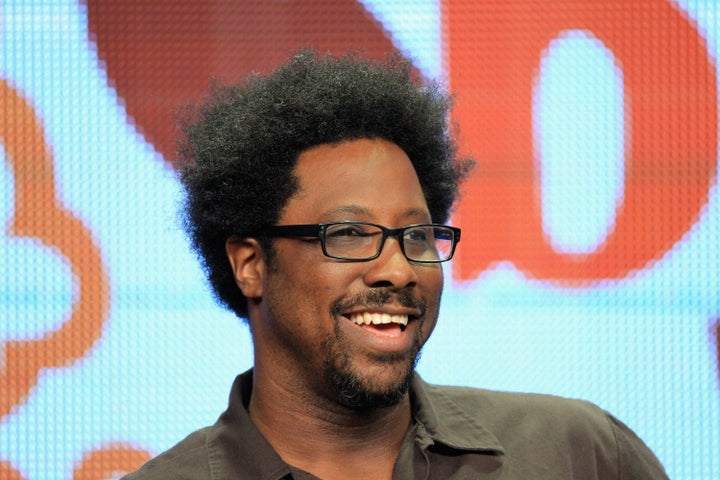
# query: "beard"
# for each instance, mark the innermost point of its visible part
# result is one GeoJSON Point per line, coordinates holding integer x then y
{"type": "Point", "coordinates": [356, 393]}
{"type": "Point", "coordinates": [354, 390]}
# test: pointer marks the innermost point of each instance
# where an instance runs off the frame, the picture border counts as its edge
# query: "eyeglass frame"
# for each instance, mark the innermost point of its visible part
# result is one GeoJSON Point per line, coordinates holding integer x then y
{"type": "Point", "coordinates": [317, 230]}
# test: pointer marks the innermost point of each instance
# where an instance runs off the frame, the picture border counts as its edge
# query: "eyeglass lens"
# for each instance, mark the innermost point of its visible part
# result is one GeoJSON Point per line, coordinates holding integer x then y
{"type": "Point", "coordinates": [360, 241]}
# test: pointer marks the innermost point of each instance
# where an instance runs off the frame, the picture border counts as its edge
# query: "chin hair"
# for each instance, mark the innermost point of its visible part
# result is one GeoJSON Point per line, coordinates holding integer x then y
{"type": "Point", "coordinates": [354, 393]}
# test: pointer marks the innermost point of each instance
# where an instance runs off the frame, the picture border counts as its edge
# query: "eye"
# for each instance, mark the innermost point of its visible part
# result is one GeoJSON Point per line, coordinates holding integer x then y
{"type": "Point", "coordinates": [416, 235]}
{"type": "Point", "coordinates": [348, 230]}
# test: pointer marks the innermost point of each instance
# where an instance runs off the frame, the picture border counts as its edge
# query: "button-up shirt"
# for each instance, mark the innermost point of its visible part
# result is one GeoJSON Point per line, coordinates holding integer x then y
{"type": "Point", "coordinates": [456, 433]}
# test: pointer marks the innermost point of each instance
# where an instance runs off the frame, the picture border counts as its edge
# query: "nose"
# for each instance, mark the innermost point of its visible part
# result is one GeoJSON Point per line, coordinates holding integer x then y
{"type": "Point", "coordinates": [391, 268]}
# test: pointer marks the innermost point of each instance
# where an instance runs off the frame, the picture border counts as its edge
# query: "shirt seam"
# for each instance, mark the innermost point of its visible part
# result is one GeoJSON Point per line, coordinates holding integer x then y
{"type": "Point", "coordinates": [618, 452]}
{"type": "Point", "coordinates": [456, 409]}
{"type": "Point", "coordinates": [210, 460]}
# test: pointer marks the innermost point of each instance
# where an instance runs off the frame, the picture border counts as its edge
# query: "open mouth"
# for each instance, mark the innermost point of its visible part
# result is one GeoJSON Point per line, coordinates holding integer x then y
{"type": "Point", "coordinates": [380, 321]}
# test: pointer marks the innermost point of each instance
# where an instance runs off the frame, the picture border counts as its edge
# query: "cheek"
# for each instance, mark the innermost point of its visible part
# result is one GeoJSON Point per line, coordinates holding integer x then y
{"type": "Point", "coordinates": [431, 283]}
{"type": "Point", "coordinates": [307, 283]}
{"type": "Point", "coordinates": [431, 280]}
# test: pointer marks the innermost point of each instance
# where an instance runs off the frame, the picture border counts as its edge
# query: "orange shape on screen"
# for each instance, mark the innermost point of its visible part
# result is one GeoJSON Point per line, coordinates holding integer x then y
{"type": "Point", "coordinates": [160, 54]}
{"type": "Point", "coordinates": [494, 52]}
{"type": "Point", "coordinates": [39, 214]}
{"type": "Point", "coordinates": [7, 472]}
{"type": "Point", "coordinates": [109, 462]}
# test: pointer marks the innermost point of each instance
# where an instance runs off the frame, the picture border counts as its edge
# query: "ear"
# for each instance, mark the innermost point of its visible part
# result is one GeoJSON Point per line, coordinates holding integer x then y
{"type": "Point", "coordinates": [248, 265]}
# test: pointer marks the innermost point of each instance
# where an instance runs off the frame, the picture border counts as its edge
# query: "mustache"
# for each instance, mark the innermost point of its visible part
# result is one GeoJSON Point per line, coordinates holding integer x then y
{"type": "Point", "coordinates": [378, 298]}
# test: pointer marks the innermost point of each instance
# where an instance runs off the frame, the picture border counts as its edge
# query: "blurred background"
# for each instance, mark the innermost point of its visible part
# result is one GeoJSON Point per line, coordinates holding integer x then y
{"type": "Point", "coordinates": [589, 264]}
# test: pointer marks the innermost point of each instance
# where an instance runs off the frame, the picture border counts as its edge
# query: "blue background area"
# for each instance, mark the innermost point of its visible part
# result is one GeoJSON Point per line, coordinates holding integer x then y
{"type": "Point", "coordinates": [641, 347]}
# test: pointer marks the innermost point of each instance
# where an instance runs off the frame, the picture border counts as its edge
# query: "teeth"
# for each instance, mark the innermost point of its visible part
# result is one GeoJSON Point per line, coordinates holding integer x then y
{"type": "Point", "coordinates": [367, 318]}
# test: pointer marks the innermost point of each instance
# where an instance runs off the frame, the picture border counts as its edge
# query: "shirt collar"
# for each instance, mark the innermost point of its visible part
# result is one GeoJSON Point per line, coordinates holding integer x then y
{"type": "Point", "coordinates": [237, 449]}
{"type": "Point", "coordinates": [447, 422]}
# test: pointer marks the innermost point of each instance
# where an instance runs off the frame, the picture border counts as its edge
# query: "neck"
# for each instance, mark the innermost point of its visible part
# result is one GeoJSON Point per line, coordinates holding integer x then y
{"type": "Point", "coordinates": [325, 438]}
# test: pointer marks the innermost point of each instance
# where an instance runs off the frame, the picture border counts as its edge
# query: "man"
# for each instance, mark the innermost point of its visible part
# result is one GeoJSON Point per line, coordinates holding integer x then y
{"type": "Point", "coordinates": [317, 199]}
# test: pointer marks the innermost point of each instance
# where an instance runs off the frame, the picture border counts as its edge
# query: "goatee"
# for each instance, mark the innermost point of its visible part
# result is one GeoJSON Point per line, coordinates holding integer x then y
{"type": "Point", "coordinates": [353, 390]}
{"type": "Point", "coordinates": [354, 393]}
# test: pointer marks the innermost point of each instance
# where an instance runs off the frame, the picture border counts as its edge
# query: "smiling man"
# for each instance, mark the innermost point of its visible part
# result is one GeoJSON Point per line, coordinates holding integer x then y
{"type": "Point", "coordinates": [348, 330]}
{"type": "Point", "coordinates": [317, 200]}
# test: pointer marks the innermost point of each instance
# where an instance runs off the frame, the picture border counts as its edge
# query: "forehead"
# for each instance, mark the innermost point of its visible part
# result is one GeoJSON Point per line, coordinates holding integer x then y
{"type": "Point", "coordinates": [368, 179]}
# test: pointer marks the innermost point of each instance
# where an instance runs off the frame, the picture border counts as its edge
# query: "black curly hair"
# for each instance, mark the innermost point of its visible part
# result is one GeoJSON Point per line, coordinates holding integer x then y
{"type": "Point", "coordinates": [238, 150]}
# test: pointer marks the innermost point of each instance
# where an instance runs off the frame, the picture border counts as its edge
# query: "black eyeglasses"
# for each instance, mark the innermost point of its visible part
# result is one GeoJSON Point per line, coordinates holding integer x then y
{"type": "Point", "coordinates": [362, 241]}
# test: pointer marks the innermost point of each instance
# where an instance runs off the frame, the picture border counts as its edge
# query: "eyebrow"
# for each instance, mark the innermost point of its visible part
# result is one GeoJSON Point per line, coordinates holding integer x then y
{"type": "Point", "coordinates": [359, 210]}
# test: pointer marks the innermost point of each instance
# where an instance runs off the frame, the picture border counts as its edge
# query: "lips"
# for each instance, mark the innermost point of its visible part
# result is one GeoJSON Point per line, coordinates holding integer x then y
{"type": "Point", "coordinates": [381, 318]}
{"type": "Point", "coordinates": [377, 331]}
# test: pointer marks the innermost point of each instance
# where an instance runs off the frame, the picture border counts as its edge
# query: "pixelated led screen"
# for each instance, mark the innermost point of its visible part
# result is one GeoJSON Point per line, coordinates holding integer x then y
{"type": "Point", "coordinates": [589, 264]}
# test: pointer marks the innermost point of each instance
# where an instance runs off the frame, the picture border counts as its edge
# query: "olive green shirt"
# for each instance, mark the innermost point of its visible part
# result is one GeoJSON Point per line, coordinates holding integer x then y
{"type": "Point", "coordinates": [457, 433]}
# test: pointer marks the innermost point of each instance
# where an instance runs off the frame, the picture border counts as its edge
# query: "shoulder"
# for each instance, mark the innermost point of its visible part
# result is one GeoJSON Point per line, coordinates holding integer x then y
{"type": "Point", "coordinates": [511, 415]}
{"type": "Point", "coordinates": [555, 429]}
{"type": "Point", "coordinates": [494, 407]}
{"type": "Point", "coordinates": [185, 461]}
